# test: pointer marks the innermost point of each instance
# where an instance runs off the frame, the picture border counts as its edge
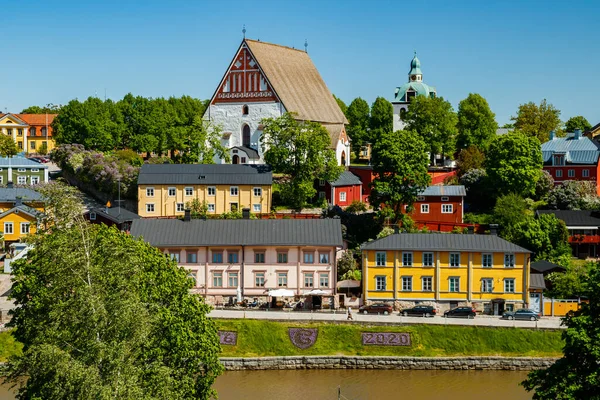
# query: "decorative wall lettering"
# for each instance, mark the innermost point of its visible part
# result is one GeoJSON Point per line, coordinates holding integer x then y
{"type": "Point", "coordinates": [228, 338]}
{"type": "Point", "coordinates": [385, 339]}
{"type": "Point", "coordinates": [303, 338]}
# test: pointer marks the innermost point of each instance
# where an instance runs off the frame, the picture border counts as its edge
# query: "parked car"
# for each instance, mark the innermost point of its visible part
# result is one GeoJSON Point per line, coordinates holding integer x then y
{"type": "Point", "coordinates": [419, 311]}
{"type": "Point", "coordinates": [40, 159]}
{"type": "Point", "coordinates": [523, 313]}
{"type": "Point", "coordinates": [468, 312]}
{"type": "Point", "coordinates": [379, 308]}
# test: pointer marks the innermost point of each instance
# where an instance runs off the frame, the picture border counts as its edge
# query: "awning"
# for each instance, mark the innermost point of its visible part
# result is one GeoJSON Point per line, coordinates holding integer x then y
{"type": "Point", "coordinates": [348, 284]}
{"type": "Point", "coordinates": [281, 293]}
{"type": "Point", "coordinates": [316, 292]}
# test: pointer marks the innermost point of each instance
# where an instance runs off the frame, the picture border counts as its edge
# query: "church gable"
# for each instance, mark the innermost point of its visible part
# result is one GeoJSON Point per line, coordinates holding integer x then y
{"type": "Point", "coordinates": [244, 81]}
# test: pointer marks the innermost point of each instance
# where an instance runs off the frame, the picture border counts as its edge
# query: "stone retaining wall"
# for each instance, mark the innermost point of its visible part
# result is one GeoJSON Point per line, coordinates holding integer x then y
{"type": "Point", "coordinates": [355, 362]}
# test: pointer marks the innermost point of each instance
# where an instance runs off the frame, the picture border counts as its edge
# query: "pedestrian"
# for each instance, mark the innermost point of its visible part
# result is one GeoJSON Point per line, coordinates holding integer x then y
{"type": "Point", "coordinates": [350, 314]}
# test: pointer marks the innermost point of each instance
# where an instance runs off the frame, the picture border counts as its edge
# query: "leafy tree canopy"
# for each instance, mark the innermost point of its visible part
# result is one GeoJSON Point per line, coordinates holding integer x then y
{"type": "Point", "coordinates": [537, 120]}
{"type": "Point", "coordinates": [341, 104]}
{"type": "Point", "coordinates": [8, 147]}
{"type": "Point", "coordinates": [469, 159]}
{"type": "Point", "coordinates": [435, 121]}
{"type": "Point", "coordinates": [358, 115]}
{"type": "Point", "coordinates": [573, 195]}
{"type": "Point", "coordinates": [578, 122]}
{"type": "Point", "coordinates": [544, 185]}
{"type": "Point", "coordinates": [382, 119]}
{"type": "Point", "coordinates": [476, 122]}
{"type": "Point", "coordinates": [47, 109]}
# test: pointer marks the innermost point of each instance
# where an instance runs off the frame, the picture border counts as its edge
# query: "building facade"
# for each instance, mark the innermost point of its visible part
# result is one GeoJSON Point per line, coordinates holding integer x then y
{"type": "Point", "coordinates": [447, 270]}
{"type": "Point", "coordinates": [341, 192]}
{"type": "Point", "coordinates": [405, 93]}
{"type": "Point", "coordinates": [22, 171]}
{"type": "Point", "coordinates": [266, 80]}
{"type": "Point", "coordinates": [31, 132]}
{"type": "Point", "coordinates": [165, 190]}
{"type": "Point", "coordinates": [584, 230]}
{"type": "Point", "coordinates": [247, 258]}
{"type": "Point", "coordinates": [440, 204]}
{"type": "Point", "coordinates": [19, 211]}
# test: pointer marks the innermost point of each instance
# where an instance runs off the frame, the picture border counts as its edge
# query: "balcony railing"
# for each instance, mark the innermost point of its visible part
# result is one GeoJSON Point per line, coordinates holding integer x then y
{"type": "Point", "coordinates": [585, 239]}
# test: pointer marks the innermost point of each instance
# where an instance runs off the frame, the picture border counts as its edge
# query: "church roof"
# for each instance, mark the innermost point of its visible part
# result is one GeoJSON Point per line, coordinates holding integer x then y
{"type": "Point", "coordinates": [297, 82]}
{"type": "Point", "coordinates": [415, 66]}
{"type": "Point", "coordinates": [335, 132]}
{"type": "Point", "coordinates": [422, 89]}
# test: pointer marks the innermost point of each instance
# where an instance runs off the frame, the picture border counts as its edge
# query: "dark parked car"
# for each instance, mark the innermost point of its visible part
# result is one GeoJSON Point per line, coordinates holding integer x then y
{"type": "Point", "coordinates": [523, 313]}
{"type": "Point", "coordinates": [379, 308]}
{"type": "Point", "coordinates": [468, 312]}
{"type": "Point", "coordinates": [419, 311]}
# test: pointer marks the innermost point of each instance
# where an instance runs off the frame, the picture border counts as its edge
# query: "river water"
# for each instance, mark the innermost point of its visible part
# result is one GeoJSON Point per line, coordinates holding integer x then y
{"type": "Point", "coordinates": [366, 385]}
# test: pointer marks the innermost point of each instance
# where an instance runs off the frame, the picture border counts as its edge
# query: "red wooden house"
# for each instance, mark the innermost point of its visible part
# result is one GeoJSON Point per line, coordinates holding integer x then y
{"type": "Point", "coordinates": [584, 230]}
{"type": "Point", "coordinates": [440, 204]}
{"type": "Point", "coordinates": [342, 192]}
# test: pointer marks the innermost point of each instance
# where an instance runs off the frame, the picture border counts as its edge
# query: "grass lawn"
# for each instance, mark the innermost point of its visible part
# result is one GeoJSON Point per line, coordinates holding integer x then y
{"type": "Point", "coordinates": [258, 338]}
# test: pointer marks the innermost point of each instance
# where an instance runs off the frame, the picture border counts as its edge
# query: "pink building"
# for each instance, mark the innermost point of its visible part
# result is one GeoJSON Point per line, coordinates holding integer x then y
{"type": "Point", "coordinates": [247, 258]}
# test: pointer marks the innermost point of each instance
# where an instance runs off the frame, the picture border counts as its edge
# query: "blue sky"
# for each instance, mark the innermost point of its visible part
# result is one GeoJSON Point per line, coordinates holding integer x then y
{"type": "Point", "coordinates": [511, 52]}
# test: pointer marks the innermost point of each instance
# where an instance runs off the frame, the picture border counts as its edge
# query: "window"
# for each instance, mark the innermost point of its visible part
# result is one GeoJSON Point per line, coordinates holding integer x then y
{"type": "Point", "coordinates": [259, 257]}
{"type": "Point", "coordinates": [172, 192]}
{"type": "Point", "coordinates": [32, 132]}
{"type": "Point", "coordinates": [217, 279]}
{"type": "Point", "coordinates": [309, 258]}
{"type": "Point", "coordinates": [426, 284]}
{"type": "Point", "coordinates": [428, 259]}
{"type": "Point", "coordinates": [35, 180]}
{"type": "Point", "coordinates": [420, 198]}
{"type": "Point", "coordinates": [509, 285]}
{"type": "Point", "coordinates": [20, 132]}
{"type": "Point", "coordinates": [509, 260]}
{"type": "Point", "coordinates": [454, 284]}
{"type": "Point", "coordinates": [20, 145]}
{"type": "Point", "coordinates": [259, 279]}
{"type": "Point", "coordinates": [282, 257]}
{"type": "Point", "coordinates": [189, 191]}
{"type": "Point", "coordinates": [257, 192]}
{"type": "Point", "coordinates": [8, 228]}
{"type": "Point", "coordinates": [232, 258]}
{"type": "Point", "coordinates": [245, 110]}
{"type": "Point", "coordinates": [24, 228]}
{"type": "Point", "coordinates": [179, 207]}
{"type": "Point", "coordinates": [174, 256]}
{"type": "Point", "coordinates": [150, 192]}
{"type": "Point", "coordinates": [192, 258]}
{"type": "Point", "coordinates": [321, 182]}
{"type": "Point", "coordinates": [32, 145]}
{"type": "Point", "coordinates": [486, 261]}
{"type": "Point", "coordinates": [424, 208]}
{"type": "Point", "coordinates": [559, 159]}
{"type": "Point", "coordinates": [487, 285]}
{"type": "Point", "coordinates": [323, 258]}
{"type": "Point", "coordinates": [212, 191]}
{"type": "Point", "coordinates": [233, 190]}
{"type": "Point", "coordinates": [321, 195]}
{"type": "Point", "coordinates": [34, 169]}
{"type": "Point", "coordinates": [150, 207]}
{"type": "Point", "coordinates": [324, 280]}
{"type": "Point", "coordinates": [342, 196]}
{"type": "Point", "coordinates": [455, 259]}
{"type": "Point", "coordinates": [256, 208]}
{"type": "Point", "coordinates": [211, 208]}
{"type": "Point", "coordinates": [233, 207]}
{"type": "Point", "coordinates": [571, 173]}
{"type": "Point", "coordinates": [232, 279]}
{"type": "Point", "coordinates": [21, 170]}
{"type": "Point", "coordinates": [92, 216]}
{"type": "Point", "coordinates": [21, 180]}
{"type": "Point", "coordinates": [445, 198]}
{"type": "Point", "coordinates": [407, 259]}
{"type": "Point", "coordinates": [282, 279]}
{"type": "Point", "coordinates": [407, 283]}
{"type": "Point", "coordinates": [446, 208]}
{"type": "Point", "coordinates": [243, 160]}
{"type": "Point", "coordinates": [217, 257]}
{"type": "Point", "coordinates": [585, 173]}
{"type": "Point", "coordinates": [43, 131]}
{"type": "Point", "coordinates": [380, 282]}
{"type": "Point", "coordinates": [309, 280]}
{"type": "Point", "coordinates": [380, 258]}
{"type": "Point", "coordinates": [559, 173]}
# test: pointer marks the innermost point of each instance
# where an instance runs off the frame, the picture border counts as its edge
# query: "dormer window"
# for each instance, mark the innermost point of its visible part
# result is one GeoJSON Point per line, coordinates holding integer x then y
{"type": "Point", "coordinates": [558, 159]}
{"type": "Point", "coordinates": [410, 94]}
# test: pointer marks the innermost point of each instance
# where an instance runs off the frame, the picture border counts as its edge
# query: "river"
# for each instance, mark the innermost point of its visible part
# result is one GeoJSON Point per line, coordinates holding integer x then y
{"type": "Point", "coordinates": [366, 385]}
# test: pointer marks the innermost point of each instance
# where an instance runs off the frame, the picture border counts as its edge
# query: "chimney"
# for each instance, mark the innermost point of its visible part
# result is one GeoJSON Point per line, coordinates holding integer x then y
{"type": "Point", "coordinates": [9, 185]}
{"type": "Point", "coordinates": [245, 213]}
{"type": "Point", "coordinates": [494, 229]}
{"type": "Point", "coordinates": [577, 134]}
{"type": "Point", "coordinates": [471, 230]}
{"type": "Point", "coordinates": [188, 215]}
{"type": "Point", "coordinates": [552, 135]}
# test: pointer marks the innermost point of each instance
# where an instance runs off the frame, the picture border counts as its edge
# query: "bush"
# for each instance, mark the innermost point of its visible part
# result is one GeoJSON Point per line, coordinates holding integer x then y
{"type": "Point", "coordinates": [356, 207]}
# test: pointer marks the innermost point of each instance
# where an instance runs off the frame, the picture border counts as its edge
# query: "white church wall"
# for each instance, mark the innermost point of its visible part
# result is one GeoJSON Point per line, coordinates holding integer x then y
{"type": "Point", "coordinates": [398, 124]}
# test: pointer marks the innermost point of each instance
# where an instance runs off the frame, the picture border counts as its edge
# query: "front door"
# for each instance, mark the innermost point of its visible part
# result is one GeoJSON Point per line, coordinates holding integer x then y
{"type": "Point", "coordinates": [534, 302]}
{"type": "Point", "coordinates": [235, 159]}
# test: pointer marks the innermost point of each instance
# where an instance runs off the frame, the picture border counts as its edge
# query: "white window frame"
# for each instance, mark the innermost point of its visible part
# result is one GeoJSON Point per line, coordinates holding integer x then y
{"type": "Point", "coordinates": [508, 282]}
{"type": "Point", "coordinates": [92, 216]}
{"type": "Point", "coordinates": [324, 279]}
{"type": "Point", "coordinates": [210, 207]}
{"type": "Point", "coordinates": [211, 191]}
{"type": "Point", "coordinates": [585, 173]}
{"type": "Point", "coordinates": [179, 207]}
{"type": "Point", "coordinates": [571, 173]}
{"type": "Point", "coordinates": [259, 279]}
{"type": "Point", "coordinates": [309, 279]}
{"type": "Point", "coordinates": [22, 179]}
{"type": "Point", "coordinates": [172, 190]}
{"type": "Point", "coordinates": [484, 264]}
{"type": "Point", "coordinates": [188, 191]}
{"type": "Point", "coordinates": [150, 208]}
{"type": "Point", "coordinates": [487, 285]}
{"type": "Point", "coordinates": [234, 191]}
{"type": "Point", "coordinates": [407, 259]}
{"type": "Point", "coordinates": [321, 182]}
{"type": "Point", "coordinates": [233, 279]}
{"type": "Point", "coordinates": [8, 228]}
{"type": "Point", "coordinates": [308, 257]}
{"type": "Point", "coordinates": [35, 180]}
{"type": "Point", "coordinates": [423, 259]}
{"type": "Point", "coordinates": [21, 170]}
{"type": "Point", "coordinates": [509, 260]}
{"type": "Point", "coordinates": [452, 262]}
{"type": "Point", "coordinates": [342, 196]}
{"type": "Point", "coordinates": [149, 192]}
{"type": "Point", "coordinates": [35, 170]}
{"type": "Point", "coordinates": [217, 279]}
{"type": "Point", "coordinates": [257, 191]}
{"type": "Point", "coordinates": [455, 286]}
{"type": "Point", "coordinates": [445, 198]}
{"type": "Point", "coordinates": [407, 284]}
{"type": "Point", "coordinates": [427, 284]}
{"type": "Point", "coordinates": [447, 208]}
{"type": "Point", "coordinates": [321, 195]}
{"type": "Point", "coordinates": [559, 173]}
{"type": "Point", "coordinates": [424, 208]}
{"type": "Point", "coordinates": [378, 261]}
{"type": "Point", "coordinates": [257, 208]}
{"type": "Point", "coordinates": [380, 282]}
{"type": "Point", "coordinates": [420, 198]}
{"type": "Point", "coordinates": [282, 279]}
{"type": "Point", "coordinates": [23, 225]}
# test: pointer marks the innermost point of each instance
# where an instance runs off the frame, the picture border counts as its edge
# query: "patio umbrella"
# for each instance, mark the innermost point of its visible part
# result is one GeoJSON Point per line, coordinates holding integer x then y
{"type": "Point", "coordinates": [348, 284]}
{"type": "Point", "coordinates": [281, 293]}
{"type": "Point", "coordinates": [239, 294]}
{"type": "Point", "coordinates": [316, 292]}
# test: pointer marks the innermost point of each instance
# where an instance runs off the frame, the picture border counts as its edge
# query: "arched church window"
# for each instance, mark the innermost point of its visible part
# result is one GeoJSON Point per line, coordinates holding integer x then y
{"type": "Point", "coordinates": [245, 110]}
{"type": "Point", "coordinates": [246, 136]}
{"type": "Point", "coordinates": [403, 113]}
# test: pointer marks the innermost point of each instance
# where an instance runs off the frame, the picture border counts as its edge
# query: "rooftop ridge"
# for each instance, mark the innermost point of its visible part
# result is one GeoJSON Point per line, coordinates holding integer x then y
{"type": "Point", "coordinates": [275, 44]}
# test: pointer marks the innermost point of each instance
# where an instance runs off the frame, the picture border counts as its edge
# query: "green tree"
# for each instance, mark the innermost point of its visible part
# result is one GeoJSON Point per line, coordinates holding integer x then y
{"type": "Point", "coordinates": [358, 115]}
{"type": "Point", "coordinates": [302, 151]}
{"type": "Point", "coordinates": [477, 187]}
{"type": "Point", "coordinates": [400, 167]}
{"type": "Point", "coordinates": [8, 147]}
{"type": "Point", "coordinates": [510, 211]}
{"type": "Point", "coordinates": [576, 374]}
{"type": "Point", "coordinates": [435, 121]}
{"type": "Point", "coordinates": [346, 263]}
{"type": "Point", "coordinates": [573, 195]}
{"type": "Point", "coordinates": [103, 315]}
{"type": "Point", "coordinates": [200, 143]}
{"type": "Point", "coordinates": [63, 205]}
{"type": "Point", "coordinates": [198, 209]}
{"type": "Point", "coordinates": [476, 122]}
{"type": "Point", "coordinates": [43, 149]}
{"type": "Point", "coordinates": [341, 104]}
{"type": "Point", "coordinates": [468, 159]}
{"type": "Point", "coordinates": [381, 120]}
{"type": "Point", "coordinates": [544, 185]}
{"type": "Point", "coordinates": [513, 162]}
{"type": "Point", "coordinates": [47, 109]}
{"type": "Point", "coordinates": [578, 122]}
{"type": "Point", "coordinates": [570, 283]}
{"type": "Point", "coordinates": [537, 121]}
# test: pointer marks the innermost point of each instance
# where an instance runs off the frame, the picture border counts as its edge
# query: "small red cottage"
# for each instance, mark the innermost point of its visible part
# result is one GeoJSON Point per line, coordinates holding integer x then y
{"type": "Point", "coordinates": [342, 192]}
{"type": "Point", "coordinates": [440, 204]}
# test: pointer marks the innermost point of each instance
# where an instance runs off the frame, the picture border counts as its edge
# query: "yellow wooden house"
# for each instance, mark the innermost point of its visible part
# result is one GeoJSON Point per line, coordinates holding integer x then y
{"type": "Point", "coordinates": [19, 212]}
{"type": "Point", "coordinates": [448, 270]}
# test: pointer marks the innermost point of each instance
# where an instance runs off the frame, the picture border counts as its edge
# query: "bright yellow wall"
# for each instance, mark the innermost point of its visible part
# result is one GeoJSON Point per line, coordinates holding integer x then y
{"type": "Point", "coordinates": [16, 220]}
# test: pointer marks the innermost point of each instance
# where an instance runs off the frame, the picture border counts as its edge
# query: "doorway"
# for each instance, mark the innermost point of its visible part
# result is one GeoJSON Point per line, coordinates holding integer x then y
{"type": "Point", "coordinates": [235, 159]}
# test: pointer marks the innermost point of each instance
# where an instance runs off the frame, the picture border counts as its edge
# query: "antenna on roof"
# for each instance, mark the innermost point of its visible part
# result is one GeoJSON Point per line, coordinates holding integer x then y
{"type": "Point", "coordinates": [244, 31]}
{"type": "Point", "coordinates": [305, 45]}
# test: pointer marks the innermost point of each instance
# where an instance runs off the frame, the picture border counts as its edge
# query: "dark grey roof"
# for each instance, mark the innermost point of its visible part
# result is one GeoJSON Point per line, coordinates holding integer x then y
{"type": "Point", "coordinates": [252, 154]}
{"type": "Point", "coordinates": [11, 194]}
{"type": "Point", "coordinates": [205, 174]}
{"type": "Point", "coordinates": [268, 232]}
{"type": "Point", "coordinates": [116, 214]}
{"type": "Point", "coordinates": [543, 266]}
{"type": "Point", "coordinates": [439, 190]}
{"type": "Point", "coordinates": [536, 281]}
{"type": "Point", "coordinates": [576, 217]}
{"type": "Point", "coordinates": [346, 178]}
{"type": "Point", "coordinates": [443, 242]}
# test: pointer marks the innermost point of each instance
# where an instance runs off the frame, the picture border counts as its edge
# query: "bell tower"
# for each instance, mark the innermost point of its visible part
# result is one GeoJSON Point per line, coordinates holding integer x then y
{"type": "Point", "coordinates": [415, 74]}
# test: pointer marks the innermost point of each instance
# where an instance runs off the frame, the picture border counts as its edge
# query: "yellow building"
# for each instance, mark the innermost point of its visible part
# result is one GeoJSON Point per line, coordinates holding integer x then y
{"type": "Point", "coordinates": [164, 190]}
{"type": "Point", "coordinates": [448, 270]}
{"type": "Point", "coordinates": [19, 209]}
{"type": "Point", "coordinates": [32, 133]}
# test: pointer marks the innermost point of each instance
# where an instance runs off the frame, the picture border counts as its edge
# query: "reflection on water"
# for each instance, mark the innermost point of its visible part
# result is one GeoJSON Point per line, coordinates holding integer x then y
{"type": "Point", "coordinates": [365, 384]}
